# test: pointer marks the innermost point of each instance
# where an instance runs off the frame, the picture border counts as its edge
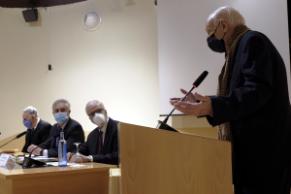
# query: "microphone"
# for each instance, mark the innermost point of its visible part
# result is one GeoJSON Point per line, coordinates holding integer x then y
{"type": "Point", "coordinates": [21, 134]}
{"type": "Point", "coordinates": [28, 162]}
{"type": "Point", "coordinates": [14, 138]}
{"type": "Point", "coordinates": [163, 124]}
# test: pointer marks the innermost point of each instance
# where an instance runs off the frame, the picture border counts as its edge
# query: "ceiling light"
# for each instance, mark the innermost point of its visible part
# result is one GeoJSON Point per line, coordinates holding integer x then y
{"type": "Point", "coordinates": [91, 20]}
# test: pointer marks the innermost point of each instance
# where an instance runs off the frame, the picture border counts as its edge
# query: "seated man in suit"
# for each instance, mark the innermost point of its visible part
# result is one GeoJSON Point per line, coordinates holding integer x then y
{"type": "Point", "coordinates": [102, 143]}
{"type": "Point", "coordinates": [73, 131]}
{"type": "Point", "coordinates": [38, 130]}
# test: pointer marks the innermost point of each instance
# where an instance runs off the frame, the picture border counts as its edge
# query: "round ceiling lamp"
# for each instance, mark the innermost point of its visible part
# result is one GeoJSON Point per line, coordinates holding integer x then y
{"type": "Point", "coordinates": [91, 21]}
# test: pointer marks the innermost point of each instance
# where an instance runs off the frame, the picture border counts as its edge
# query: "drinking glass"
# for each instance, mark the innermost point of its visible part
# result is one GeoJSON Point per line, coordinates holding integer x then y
{"type": "Point", "coordinates": [77, 148]}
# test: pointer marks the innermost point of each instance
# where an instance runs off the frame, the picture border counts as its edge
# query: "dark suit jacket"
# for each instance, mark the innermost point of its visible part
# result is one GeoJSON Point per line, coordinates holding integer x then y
{"type": "Point", "coordinates": [73, 132]}
{"type": "Point", "coordinates": [38, 135]}
{"type": "Point", "coordinates": [258, 110]}
{"type": "Point", "coordinates": [110, 147]}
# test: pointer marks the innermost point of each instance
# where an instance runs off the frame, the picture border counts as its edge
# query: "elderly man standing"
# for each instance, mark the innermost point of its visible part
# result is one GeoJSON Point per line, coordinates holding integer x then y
{"type": "Point", "coordinates": [252, 105]}
{"type": "Point", "coordinates": [38, 130]}
{"type": "Point", "coordinates": [73, 131]}
{"type": "Point", "coordinates": [102, 143]}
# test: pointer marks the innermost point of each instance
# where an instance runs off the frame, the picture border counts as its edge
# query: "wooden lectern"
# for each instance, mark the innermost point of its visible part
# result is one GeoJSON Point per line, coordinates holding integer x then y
{"type": "Point", "coordinates": [154, 161]}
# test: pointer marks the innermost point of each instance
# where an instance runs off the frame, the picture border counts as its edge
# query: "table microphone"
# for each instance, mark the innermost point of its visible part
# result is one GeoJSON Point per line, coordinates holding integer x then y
{"type": "Point", "coordinates": [163, 124]}
{"type": "Point", "coordinates": [29, 162]}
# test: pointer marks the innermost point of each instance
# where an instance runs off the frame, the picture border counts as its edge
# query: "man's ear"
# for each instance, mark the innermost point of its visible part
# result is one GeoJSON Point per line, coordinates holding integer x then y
{"type": "Point", "coordinates": [34, 117]}
{"type": "Point", "coordinates": [224, 26]}
{"type": "Point", "coordinates": [105, 113]}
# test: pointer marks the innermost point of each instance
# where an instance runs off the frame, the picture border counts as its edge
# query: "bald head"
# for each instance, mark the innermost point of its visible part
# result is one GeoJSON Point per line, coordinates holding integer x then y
{"type": "Point", "coordinates": [225, 14]}
{"type": "Point", "coordinates": [94, 106]}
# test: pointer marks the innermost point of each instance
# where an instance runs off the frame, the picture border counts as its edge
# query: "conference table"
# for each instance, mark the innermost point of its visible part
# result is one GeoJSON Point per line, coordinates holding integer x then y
{"type": "Point", "coordinates": [87, 178]}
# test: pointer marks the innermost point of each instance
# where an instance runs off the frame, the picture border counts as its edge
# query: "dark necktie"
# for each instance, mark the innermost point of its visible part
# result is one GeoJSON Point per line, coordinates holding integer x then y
{"type": "Point", "coordinates": [99, 142]}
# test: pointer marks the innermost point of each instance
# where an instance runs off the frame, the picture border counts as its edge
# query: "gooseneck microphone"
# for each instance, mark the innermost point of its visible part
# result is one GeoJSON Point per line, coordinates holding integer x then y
{"type": "Point", "coordinates": [14, 138]}
{"type": "Point", "coordinates": [21, 134]}
{"type": "Point", "coordinates": [29, 162]}
{"type": "Point", "coordinates": [163, 124]}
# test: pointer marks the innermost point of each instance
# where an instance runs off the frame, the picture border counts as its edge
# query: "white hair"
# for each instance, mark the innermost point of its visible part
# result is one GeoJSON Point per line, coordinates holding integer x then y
{"type": "Point", "coordinates": [231, 15]}
{"type": "Point", "coordinates": [97, 103]}
{"type": "Point", "coordinates": [62, 100]}
{"type": "Point", "coordinates": [31, 110]}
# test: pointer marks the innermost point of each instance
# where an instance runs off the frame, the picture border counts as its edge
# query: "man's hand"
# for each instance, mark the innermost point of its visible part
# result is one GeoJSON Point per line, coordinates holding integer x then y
{"type": "Point", "coordinates": [195, 104]}
{"type": "Point", "coordinates": [31, 147]}
{"type": "Point", "coordinates": [69, 156]}
{"type": "Point", "coordinates": [34, 149]}
{"type": "Point", "coordinates": [79, 158]}
{"type": "Point", "coordinates": [189, 98]}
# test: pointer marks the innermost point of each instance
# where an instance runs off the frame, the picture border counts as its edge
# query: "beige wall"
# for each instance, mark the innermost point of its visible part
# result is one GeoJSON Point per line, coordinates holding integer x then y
{"type": "Point", "coordinates": [117, 63]}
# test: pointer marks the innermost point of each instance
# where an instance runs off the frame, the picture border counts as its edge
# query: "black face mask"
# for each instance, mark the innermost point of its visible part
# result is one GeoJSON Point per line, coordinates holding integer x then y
{"type": "Point", "coordinates": [215, 44]}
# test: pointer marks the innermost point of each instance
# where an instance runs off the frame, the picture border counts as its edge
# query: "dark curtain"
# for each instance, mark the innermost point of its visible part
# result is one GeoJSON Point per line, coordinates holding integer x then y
{"type": "Point", "coordinates": [289, 28]}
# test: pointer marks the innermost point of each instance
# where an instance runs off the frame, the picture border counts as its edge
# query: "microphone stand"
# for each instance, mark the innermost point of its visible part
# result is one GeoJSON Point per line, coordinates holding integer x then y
{"type": "Point", "coordinates": [163, 124]}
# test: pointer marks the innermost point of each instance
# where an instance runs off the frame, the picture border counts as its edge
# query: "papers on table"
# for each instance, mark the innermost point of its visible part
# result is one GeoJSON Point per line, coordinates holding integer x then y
{"type": "Point", "coordinates": [20, 159]}
{"type": "Point", "coordinates": [69, 164]}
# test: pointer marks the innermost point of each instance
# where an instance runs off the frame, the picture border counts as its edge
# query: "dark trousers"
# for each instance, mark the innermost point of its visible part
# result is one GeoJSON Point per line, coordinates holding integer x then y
{"type": "Point", "coordinates": [282, 187]}
{"type": "Point", "coordinates": [261, 190]}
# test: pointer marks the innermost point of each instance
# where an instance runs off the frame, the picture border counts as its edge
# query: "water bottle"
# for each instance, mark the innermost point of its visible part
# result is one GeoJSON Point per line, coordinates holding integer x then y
{"type": "Point", "coordinates": [62, 150]}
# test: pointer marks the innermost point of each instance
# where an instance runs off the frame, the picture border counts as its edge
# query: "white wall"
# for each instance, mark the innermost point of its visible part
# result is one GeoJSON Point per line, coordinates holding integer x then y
{"type": "Point", "coordinates": [183, 51]}
{"type": "Point", "coordinates": [116, 64]}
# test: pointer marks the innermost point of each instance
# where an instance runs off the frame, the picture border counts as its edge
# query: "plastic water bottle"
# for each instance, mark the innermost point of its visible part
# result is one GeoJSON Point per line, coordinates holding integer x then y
{"type": "Point", "coordinates": [62, 150]}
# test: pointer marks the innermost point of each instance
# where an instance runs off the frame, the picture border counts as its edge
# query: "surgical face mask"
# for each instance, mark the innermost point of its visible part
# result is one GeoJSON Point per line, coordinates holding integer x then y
{"type": "Point", "coordinates": [99, 119]}
{"type": "Point", "coordinates": [61, 117]}
{"type": "Point", "coordinates": [215, 44]}
{"type": "Point", "coordinates": [27, 124]}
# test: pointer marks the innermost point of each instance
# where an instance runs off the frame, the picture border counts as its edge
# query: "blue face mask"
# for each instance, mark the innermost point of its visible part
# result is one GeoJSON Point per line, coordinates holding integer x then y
{"type": "Point", "coordinates": [27, 124]}
{"type": "Point", "coordinates": [61, 117]}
